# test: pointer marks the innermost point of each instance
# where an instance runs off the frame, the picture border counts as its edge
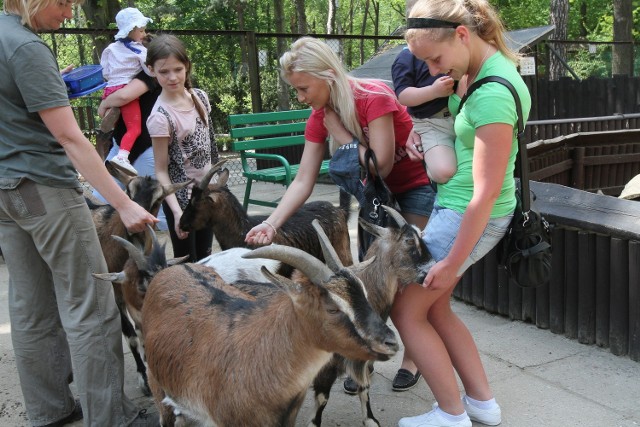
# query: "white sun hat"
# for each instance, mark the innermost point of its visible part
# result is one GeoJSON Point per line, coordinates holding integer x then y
{"type": "Point", "coordinates": [632, 189]}
{"type": "Point", "coordinates": [128, 19]}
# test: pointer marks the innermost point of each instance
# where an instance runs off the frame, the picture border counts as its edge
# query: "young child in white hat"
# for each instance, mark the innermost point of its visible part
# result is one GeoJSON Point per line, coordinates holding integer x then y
{"type": "Point", "coordinates": [121, 61]}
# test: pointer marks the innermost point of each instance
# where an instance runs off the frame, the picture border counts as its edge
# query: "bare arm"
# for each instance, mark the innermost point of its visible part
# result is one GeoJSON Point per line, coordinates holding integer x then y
{"type": "Point", "coordinates": [490, 157]}
{"type": "Point", "coordinates": [134, 90]}
{"type": "Point", "coordinates": [413, 96]}
{"type": "Point", "coordinates": [295, 196]}
{"type": "Point", "coordinates": [381, 138]}
{"type": "Point", "coordinates": [63, 126]}
{"type": "Point", "coordinates": [161, 162]}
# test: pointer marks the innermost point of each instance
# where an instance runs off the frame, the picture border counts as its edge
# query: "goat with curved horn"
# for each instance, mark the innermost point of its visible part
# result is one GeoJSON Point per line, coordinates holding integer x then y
{"type": "Point", "coordinates": [207, 178]}
{"type": "Point", "coordinates": [330, 254]}
{"type": "Point", "coordinates": [399, 219]}
{"type": "Point", "coordinates": [311, 266]}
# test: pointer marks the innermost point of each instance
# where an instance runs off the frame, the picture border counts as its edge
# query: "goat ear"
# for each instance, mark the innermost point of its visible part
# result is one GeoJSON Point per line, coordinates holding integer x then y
{"type": "Point", "coordinates": [110, 277]}
{"type": "Point", "coordinates": [372, 228]}
{"type": "Point", "coordinates": [176, 261]}
{"type": "Point", "coordinates": [223, 177]}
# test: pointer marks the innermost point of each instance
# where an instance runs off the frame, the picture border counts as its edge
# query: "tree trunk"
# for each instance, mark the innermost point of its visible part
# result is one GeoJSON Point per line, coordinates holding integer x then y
{"type": "Point", "coordinates": [281, 47]}
{"type": "Point", "coordinates": [244, 55]}
{"type": "Point", "coordinates": [376, 23]}
{"type": "Point", "coordinates": [99, 14]}
{"type": "Point", "coordinates": [331, 16]}
{"type": "Point", "coordinates": [622, 60]}
{"type": "Point", "coordinates": [363, 30]}
{"type": "Point", "coordinates": [559, 17]}
{"type": "Point", "coordinates": [301, 17]}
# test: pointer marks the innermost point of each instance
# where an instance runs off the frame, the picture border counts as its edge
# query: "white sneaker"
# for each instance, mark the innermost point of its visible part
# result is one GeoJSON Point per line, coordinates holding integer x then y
{"type": "Point", "coordinates": [432, 419]}
{"type": "Point", "coordinates": [123, 162]}
{"type": "Point", "coordinates": [490, 417]}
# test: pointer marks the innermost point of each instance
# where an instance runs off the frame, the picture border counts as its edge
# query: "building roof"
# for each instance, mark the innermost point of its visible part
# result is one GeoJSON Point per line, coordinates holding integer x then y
{"type": "Point", "coordinates": [379, 66]}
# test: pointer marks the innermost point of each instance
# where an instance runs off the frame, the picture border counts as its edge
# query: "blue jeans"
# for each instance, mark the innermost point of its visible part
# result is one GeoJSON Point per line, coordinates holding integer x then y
{"type": "Point", "coordinates": [59, 313]}
{"type": "Point", "coordinates": [145, 166]}
{"type": "Point", "coordinates": [418, 201]}
{"type": "Point", "coordinates": [442, 230]}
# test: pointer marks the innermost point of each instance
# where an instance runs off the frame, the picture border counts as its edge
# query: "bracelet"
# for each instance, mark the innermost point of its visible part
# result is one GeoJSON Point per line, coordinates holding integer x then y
{"type": "Point", "coordinates": [275, 230]}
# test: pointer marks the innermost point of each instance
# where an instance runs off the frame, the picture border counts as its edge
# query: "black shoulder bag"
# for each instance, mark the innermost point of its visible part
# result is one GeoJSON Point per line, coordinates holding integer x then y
{"type": "Point", "coordinates": [525, 250]}
{"type": "Point", "coordinates": [376, 193]}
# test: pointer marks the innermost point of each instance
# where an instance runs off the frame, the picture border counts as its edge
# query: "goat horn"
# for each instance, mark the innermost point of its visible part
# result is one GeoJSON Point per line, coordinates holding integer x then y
{"type": "Point", "coordinates": [312, 267]}
{"type": "Point", "coordinates": [395, 215]}
{"type": "Point", "coordinates": [135, 253]}
{"type": "Point", "coordinates": [207, 178]}
{"type": "Point", "coordinates": [330, 255]}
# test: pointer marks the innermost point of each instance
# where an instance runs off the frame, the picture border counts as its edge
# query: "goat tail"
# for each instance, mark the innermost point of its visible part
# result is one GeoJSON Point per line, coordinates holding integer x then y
{"type": "Point", "coordinates": [345, 204]}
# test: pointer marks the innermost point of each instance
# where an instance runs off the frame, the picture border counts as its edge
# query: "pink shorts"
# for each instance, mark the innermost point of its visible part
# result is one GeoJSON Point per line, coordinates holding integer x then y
{"type": "Point", "coordinates": [110, 89]}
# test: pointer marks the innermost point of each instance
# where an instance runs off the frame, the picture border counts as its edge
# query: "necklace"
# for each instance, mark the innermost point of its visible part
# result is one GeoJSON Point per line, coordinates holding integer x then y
{"type": "Point", "coordinates": [484, 58]}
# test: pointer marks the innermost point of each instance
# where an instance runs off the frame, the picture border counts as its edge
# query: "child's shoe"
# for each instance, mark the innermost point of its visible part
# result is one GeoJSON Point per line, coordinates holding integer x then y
{"type": "Point", "coordinates": [123, 162]}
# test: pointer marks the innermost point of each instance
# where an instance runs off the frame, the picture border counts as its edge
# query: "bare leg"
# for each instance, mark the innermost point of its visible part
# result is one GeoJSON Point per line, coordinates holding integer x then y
{"type": "Point", "coordinates": [410, 314]}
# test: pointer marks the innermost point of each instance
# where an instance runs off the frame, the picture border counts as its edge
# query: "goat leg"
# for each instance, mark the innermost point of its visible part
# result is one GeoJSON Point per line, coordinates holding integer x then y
{"type": "Point", "coordinates": [322, 388]}
{"type": "Point", "coordinates": [134, 342]}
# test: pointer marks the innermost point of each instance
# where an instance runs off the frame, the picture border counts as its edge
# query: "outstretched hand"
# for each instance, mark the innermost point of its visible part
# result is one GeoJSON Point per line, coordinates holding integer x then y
{"type": "Point", "coordinates": [260, 235]}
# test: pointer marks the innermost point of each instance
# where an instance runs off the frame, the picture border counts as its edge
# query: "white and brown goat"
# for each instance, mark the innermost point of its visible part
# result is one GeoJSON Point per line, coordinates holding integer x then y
{"type": "Point", "coordinates": [213, 205]}
{"type": "Point", "coordinates": [223, 357]}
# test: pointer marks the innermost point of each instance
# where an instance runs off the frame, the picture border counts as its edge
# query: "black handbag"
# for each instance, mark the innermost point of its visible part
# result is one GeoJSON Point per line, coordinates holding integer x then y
{"type": "Point", "coordinates": [376, 194]}
{"type": "Point", "coordinates": [525, 250]}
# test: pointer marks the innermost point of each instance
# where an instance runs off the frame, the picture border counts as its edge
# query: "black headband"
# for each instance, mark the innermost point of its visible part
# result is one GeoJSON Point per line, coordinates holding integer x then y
{"type": "Point", "coordinates": [430, 23]}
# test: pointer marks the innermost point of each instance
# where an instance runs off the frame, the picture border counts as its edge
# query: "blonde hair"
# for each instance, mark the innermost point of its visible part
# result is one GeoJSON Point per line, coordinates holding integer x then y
{"type": "Point", "coordinates": [477, 15]}
{"type": "Point", "coordinates": [27, 9]}
{"type": "Point", "coordinates": [314, 57]}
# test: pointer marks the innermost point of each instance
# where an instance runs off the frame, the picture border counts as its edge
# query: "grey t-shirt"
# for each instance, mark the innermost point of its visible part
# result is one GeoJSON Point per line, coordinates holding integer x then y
{"type": "Point", "coordinates": [30, 83]}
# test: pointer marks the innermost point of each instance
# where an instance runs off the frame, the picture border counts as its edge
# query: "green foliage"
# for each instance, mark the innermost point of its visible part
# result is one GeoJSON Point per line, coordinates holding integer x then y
{"type": "Point", "coordinates": [586, 64]}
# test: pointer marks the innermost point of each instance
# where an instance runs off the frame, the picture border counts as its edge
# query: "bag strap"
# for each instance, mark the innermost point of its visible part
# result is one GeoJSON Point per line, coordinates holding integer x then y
{"type": "Point", "coordinates": [370, 156]}
{"type": "Point", "coordinates": [522, 163]}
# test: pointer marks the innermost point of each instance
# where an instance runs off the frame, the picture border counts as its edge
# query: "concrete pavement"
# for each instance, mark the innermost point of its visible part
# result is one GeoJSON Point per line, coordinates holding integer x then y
{"type": "Point", "coordinates": [540, 379]}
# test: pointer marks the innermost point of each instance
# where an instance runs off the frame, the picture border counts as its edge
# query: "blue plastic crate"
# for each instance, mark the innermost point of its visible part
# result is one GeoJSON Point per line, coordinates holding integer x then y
{"type": "Point", "coordinates": [83, 80]}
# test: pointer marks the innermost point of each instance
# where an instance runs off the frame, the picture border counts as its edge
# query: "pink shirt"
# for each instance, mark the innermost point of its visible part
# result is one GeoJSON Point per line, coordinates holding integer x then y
{"type": "Point", "coordinates": [189, 141]}
{"type": "Point", "coordinates": [406, 174]}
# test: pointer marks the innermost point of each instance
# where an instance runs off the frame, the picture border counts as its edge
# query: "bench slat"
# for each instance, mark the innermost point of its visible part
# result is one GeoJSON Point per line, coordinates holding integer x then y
{"type": "Point", "coordinates": [257, 144]}
{"type": "Point", "coordinates": [245, 119]}
{"type": "Point", "coordinates": [265, 130]}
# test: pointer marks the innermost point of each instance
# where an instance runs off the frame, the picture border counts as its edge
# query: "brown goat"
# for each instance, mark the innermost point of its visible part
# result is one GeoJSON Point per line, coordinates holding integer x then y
{"type": "Point", "coordinates": [397, 257]}
{"type": "Point", "coordinates": [220, 356]}
{"type": "Point", "coordinates": [148, 193]}
{"type": "Point", "coordinates": [215, 206]}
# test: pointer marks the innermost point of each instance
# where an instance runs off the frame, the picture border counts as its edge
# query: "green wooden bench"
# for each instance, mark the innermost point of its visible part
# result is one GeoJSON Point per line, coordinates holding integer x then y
{"type": "Point", "coordinates": [253, 134]}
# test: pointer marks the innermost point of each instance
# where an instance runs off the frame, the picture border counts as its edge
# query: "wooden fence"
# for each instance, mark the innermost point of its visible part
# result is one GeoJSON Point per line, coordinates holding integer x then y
{"type": "Point", "coordinates": [594, 293]}
{"type": "Point", "coordinates": [593, 97]}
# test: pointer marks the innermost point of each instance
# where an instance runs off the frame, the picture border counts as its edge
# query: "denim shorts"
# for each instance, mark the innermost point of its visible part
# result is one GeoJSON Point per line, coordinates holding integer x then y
{"type": "Point", "coordinates": [443, 227]}
{"type": "Point", "coordinates": [418, 201]}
